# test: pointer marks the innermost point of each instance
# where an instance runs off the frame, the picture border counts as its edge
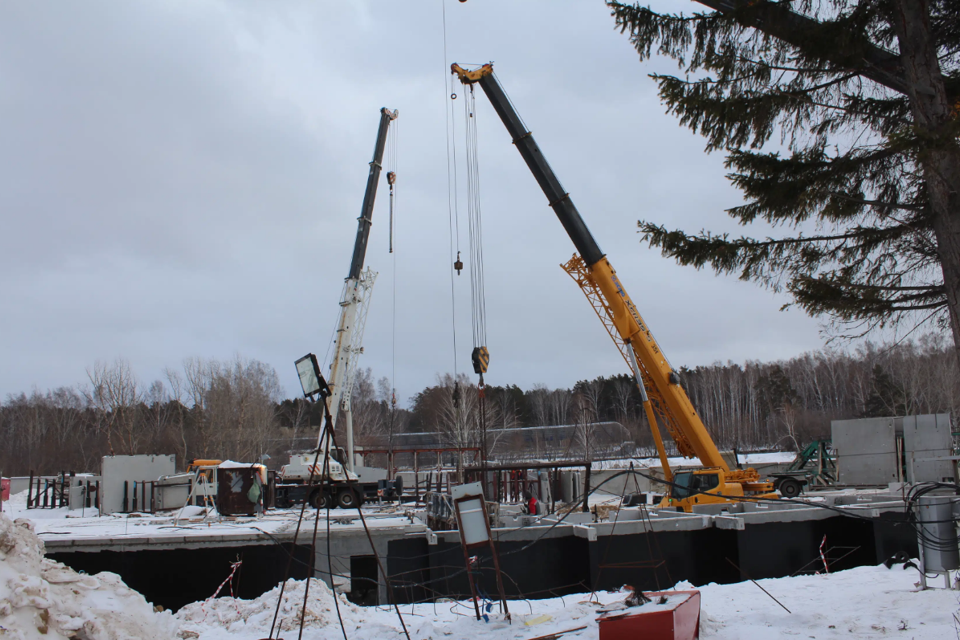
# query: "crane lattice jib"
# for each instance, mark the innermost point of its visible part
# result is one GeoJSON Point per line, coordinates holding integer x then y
{"type": "Point", "coordinates": [365, 284]}
{"type": "Point", "coordinates": [578, 270]}
{"type": "Point", "coordinates": [618, 308]}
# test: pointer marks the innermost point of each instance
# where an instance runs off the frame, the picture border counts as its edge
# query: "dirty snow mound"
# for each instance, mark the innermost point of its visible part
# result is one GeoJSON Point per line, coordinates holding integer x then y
{"type": "Point", "coordinates": [40, 598]}
{"type": "Point", "coordinates": [235, 615]}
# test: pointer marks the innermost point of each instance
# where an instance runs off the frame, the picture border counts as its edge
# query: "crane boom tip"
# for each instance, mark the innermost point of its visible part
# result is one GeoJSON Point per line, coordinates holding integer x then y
{"type": "Point", "coordinates": [470, 77]}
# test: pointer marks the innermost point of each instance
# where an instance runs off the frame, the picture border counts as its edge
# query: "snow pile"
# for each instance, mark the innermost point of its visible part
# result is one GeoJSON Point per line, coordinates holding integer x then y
{"type": "Point", "coordinates": [40, 598]}
{"type": "Point", "coordinates": [867, 602]}
{"type": "Point", "coordinates": [253, 618]}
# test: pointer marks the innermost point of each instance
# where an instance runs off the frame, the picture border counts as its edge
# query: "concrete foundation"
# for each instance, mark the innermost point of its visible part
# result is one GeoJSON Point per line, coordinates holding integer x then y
{"type": "Point", "coordinates": [649, 549]}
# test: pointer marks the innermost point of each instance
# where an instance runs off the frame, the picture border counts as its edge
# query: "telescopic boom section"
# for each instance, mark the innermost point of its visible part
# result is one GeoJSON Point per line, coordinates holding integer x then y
{"type": "Point", "coordinates": [356, 296]}
{"type": "Point", "coordinates": [687, 429]}
{"type": "Point", "coordinates": [370, 195]}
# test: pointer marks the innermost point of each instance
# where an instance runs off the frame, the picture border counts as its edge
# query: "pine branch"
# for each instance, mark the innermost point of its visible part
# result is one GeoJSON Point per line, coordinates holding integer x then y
{"type": "Point", "coordinates": [803, 33]}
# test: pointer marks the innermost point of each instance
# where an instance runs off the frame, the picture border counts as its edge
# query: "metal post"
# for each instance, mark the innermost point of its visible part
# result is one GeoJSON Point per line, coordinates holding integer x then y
{"type": "Point", "coordinates": [125, 488]}
{"type": "Point", "coordinates": [350, 450]}
{"type": "Point", "coordinates": [416, 479]}
{"type": "Point", "coordinates": [539, 488]}
{"type": "Point", "coordinates": [30, 491]}
{"type": "Point", "coordinates": [496, 565]}
{"type": "Point", "coordinates": [586, 490]}
{"type": "Point", "coordinates": [554, 487]}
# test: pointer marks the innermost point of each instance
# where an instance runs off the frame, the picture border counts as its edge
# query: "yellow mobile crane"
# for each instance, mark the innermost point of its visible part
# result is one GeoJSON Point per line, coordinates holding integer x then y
{"type": "Point", "coordinates": [663, 396]}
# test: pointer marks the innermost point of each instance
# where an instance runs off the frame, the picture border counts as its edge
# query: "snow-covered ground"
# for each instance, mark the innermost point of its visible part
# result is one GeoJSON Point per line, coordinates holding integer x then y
{"type": "Point", "coordinates": [746, 459]}
{"type": "Point", "coordinates": [87, 524]}
{"type": "Point", "coordinates": [40, 598]}
{"type": "Point", "coordinates": [868, 602]}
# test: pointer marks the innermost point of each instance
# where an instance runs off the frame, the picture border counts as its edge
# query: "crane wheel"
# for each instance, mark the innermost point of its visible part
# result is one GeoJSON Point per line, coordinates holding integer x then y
{"type": "Point", "coordinates": [790, 488]}
{"type": "Point", "coordinates": [318, 502]}
{"type": "Point", "coordinates": [347, 499]}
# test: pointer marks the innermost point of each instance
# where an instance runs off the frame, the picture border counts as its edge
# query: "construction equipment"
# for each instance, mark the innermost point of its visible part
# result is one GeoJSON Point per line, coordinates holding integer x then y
{"type": "Point", "coordinates": [663, 396]}
{"type": "Point", "coordinates": [355, 300]}
{"type": "Point", "coordinates": [814, 465]}
{"type": "Point", "coordinates": [341, 481]}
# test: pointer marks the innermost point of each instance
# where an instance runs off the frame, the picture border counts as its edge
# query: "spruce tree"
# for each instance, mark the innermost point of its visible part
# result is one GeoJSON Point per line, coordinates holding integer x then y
{"type": "Point", "coordinates": [886, 398]}
{"type": "Point", "coordinates": [863, 97]}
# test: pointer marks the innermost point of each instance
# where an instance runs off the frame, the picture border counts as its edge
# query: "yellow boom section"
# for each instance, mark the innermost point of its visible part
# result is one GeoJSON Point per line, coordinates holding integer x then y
{"type": "Point", "coordinates": [599, 282]}
{"type": "Point", "coordinates": [669, 399]}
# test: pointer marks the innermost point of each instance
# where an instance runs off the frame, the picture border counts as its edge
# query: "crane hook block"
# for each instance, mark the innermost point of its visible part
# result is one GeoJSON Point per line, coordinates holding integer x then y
{"type": "Point", "coordinates": [391, 177]}
{"type": "Point", "coordinates": [458, 265]}
{"type": "Point", "coordinates": [481, 359]}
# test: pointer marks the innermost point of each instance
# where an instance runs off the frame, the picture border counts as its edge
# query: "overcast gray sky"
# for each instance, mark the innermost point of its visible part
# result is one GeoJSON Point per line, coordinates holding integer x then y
{"type": "Point", "coordinates": [183, 179]}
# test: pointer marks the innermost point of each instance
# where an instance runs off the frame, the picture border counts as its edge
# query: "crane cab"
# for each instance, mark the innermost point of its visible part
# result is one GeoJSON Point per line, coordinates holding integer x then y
{"type": "Point", "coordinates": [716, 486]}
{"type": "Point", "coordinates": [702, 486]}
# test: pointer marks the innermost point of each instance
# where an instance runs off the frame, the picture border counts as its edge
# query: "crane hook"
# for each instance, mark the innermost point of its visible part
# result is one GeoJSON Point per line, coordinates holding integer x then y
{"type": "Point", "coordinates": [391, 177]}
{"type": "Point", "coordinates": [458, 265]}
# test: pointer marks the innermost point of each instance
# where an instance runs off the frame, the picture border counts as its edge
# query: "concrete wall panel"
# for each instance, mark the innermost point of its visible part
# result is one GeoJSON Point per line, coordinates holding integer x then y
{"type": "Point", "coordinates": [925, 438]}
{"type": "Point", "coordinates": [119, 469]}
{"type": "Point", "coordinates": [866, 451]}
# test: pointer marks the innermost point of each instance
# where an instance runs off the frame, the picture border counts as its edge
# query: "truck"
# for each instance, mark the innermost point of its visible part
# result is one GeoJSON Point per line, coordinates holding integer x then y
{"type": "Point", "coordinates": [664, 399]}
{"type": "Point", "coordinates": [340, 486]}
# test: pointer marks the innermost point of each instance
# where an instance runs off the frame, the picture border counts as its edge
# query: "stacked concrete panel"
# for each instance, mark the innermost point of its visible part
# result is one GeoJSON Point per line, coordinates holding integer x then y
{"type": "Point", "coordinates": [927, 445]}
{"type": "Point", "coordinates": [866, 451]}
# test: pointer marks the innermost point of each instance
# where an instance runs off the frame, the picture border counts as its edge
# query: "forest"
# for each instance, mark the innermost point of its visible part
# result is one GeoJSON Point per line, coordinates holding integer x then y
{"type": "Point", "coordinates": [236, 410]}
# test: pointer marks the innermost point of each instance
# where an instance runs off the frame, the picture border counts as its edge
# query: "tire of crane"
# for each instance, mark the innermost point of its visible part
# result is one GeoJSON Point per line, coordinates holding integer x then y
{"type": "Point", "coordinates": [347, 499]}
{"type": "Point", "coordinates": [790, 488]}
{"type": "Point", "coordinates": [321, 499]}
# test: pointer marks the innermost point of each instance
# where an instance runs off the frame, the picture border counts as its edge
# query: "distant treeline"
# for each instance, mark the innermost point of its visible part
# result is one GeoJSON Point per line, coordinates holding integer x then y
{"type": "Point", "coordinates": [235, 410]}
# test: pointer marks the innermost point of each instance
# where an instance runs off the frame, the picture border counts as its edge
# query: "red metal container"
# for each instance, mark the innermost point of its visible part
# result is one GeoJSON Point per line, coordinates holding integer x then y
{"type": "Point", "coordinates": [677, 619]}
{"type": "Point", "coordinates": [4, 489]}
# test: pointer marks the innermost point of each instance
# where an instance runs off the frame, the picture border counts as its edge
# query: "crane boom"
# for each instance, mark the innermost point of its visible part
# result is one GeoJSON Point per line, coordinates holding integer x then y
{"type": "Point", "coordinates": [627, 320]}
{"type": "Point", "coordinates": [370, 195]}
{"type": "Point", "coordinates": [356, 297]}
{"type": "Point", "coordinates": [597, 278]}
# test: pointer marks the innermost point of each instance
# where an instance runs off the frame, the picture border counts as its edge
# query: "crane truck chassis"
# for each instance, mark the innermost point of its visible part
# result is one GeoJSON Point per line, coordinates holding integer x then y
{"type": "Point", "coordinates": [336, 488]}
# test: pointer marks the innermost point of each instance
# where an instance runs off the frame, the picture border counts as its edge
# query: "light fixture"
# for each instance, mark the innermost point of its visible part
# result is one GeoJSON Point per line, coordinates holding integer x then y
{"type": "Point", "coordinates": [311, 379]}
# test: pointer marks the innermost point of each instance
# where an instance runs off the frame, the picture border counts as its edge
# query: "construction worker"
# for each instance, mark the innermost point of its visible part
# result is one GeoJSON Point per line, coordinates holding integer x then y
{"type": "Point", "coordinates": [532, 502]}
